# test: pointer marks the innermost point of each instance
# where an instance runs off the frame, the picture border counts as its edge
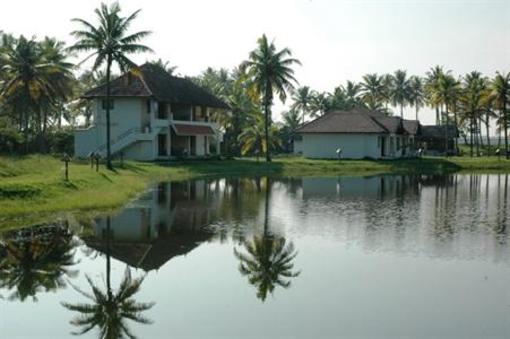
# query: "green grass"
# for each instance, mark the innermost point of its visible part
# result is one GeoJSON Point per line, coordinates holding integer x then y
{"type": "Point", "coordinates": [33, 188]}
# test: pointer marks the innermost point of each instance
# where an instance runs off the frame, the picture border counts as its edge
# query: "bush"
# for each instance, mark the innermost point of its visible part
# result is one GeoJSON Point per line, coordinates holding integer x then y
{"type": "Point", "coordinates": [61, 141]}
{"type": "Point", "coordinates": [11, 140]}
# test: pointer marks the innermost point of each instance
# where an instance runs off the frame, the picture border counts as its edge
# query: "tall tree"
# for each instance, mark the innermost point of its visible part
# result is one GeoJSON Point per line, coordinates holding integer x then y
{"type": "Point", "coordinates": [399, 90]}
{"type": "Point", "coordinates": [320, 104]}
{"type": "Point", "coordinates": [373, 91]}
{"type": "Point", "coordinates": [416, 94]}
{"type": "Point", "coordinates": [431, 88]}
{"type": "Point", "coordinates": [500, 93]}
{"type": "Point", "coordinates": [33, 74]}
{"type": "Point", "coordinates": [109, 42]}
{"type": "Point", "coordinates": [446, 94]}
{"type": "Point", "coordinates": [302, 98]}
{"type": "Point", "coordinates": [352, 92]}
{"type": "Point", "coordinates": [472, 103]}
{"type": "Point", "coordinates": [270, 72]}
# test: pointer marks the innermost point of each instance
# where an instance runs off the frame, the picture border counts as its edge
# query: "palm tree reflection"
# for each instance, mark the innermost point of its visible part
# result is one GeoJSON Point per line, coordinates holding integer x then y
{"type": "Point", "coordinates": [268, 262]}
{"type": "Point", "coordinates": [109, 310]}
{"type": "Point", "coordinates": [36, 259]}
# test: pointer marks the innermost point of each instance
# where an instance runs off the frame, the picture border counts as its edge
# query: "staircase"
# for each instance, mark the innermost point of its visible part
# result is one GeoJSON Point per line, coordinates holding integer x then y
{"type": "Point", "coordinates": [125, 139]}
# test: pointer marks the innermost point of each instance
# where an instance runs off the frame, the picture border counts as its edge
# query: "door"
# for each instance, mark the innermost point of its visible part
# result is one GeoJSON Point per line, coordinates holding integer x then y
{"type": "Point", "coordinates": [162, 150]}
{"type": "Point", "coordinates": [383, 146]}
{"type": "Point", "coordinates": [193, 145]}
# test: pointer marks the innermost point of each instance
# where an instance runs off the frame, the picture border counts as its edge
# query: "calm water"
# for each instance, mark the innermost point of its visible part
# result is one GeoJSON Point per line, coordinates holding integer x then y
{"type": "Point", "coordinates": [349, 257]}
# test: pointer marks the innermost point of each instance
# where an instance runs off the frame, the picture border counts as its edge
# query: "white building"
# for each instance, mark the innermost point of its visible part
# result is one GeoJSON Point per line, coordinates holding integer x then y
{"type": "Point", "coordinates": [358, 133]}
{"type": "Point", "coordinates": [153, 115]}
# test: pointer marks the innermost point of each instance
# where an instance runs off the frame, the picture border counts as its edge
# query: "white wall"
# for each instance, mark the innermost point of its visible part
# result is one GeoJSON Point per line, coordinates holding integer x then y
{"type": "Point", "coordinates": [354, 146]}
{"type": "Point", "coordinates": [125, 115]}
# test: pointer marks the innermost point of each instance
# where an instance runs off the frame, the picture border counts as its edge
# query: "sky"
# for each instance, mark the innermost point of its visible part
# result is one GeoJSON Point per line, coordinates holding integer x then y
{"type": "Point", "coordinates": [335, 41]}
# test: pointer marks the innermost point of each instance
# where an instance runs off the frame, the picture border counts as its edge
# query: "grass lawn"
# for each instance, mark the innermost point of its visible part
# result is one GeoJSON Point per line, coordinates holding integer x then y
{"type": "Point", "coordinates": [33, 188]}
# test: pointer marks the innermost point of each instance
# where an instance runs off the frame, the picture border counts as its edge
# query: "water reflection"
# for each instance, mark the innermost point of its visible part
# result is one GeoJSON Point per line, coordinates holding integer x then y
{"type": "Point", "coordinates": [268, 261]}
{"type": "Point", "coordinates": [110, 310]}
{"type": "Point", "coordinates": [35, 260]}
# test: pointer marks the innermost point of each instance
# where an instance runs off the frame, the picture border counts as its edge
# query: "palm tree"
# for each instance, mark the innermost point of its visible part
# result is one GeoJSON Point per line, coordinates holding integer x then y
{"type": "Point", "coordinates": [164, 65]}
{"type": "Point", "coordinates": [416, 94]}
{"type": "Point", "coordinates": [109, 310]}
{"type": "Point", "coordinates": [500, 93]}
{"type": "Point", "coordinates": [431, 88]}
{"type": "Point", "coordinates": [30, 76]}
{"type": "Point", "coordinates": [447, 94]}
{"type": "Point", "coordinates": [302, 98]}
{"type": "Point", "coordinates": [268, 261]}
{"type": "Point", "coordinates": [110, 43]}
{"type": "Point", "coordinates": [472, 102]}
{"type": "Point", "coordinates": [399, 90]}
{"type": "Point", "coordinates": [253, 140]}
{"type": "Point", "coordinates": [373, 91]}
{"type": "Point", "coordinates": [270, 71]}
{"type": "Point", "coordinates": [291, 122]}
{"type": "Point", "coordinates": [352, 91]}
{"type": "Point", "coordinates": [320, 104]}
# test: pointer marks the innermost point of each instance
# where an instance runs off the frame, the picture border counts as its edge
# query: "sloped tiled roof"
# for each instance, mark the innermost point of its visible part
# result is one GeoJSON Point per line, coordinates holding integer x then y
{"type": "Point", "coordinates": [411, 126]}
{"type": "Point", "coordinates": [152, 81]}
{"type": "Point", "coordinates": [357, 120]}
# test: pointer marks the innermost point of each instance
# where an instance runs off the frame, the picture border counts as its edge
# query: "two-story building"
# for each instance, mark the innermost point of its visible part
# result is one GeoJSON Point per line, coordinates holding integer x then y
{"type": "Point", "coordinates": [153, 115]}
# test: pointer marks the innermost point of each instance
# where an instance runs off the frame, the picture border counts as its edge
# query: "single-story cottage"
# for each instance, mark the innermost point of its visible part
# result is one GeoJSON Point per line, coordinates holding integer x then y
{"type": "Point", "coordinates": [153, 115]}
{"type": "Point", "coordinates": [359, 133]}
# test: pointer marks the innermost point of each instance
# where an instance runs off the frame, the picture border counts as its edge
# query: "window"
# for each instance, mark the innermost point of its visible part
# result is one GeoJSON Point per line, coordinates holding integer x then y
{"type": "Point", "coordinates": [104, 103]}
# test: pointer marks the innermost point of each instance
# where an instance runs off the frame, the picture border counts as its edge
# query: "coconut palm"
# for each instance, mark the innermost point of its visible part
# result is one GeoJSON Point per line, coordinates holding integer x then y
{"type": "Point", "coordinates": [302, 98]}
{"type": "Point", "coordinates": [109, 43]}
{"type": "Point", "coordinates": [164, 65]}
{"type": "Point", "coordinates": [32, 75]}
{"type": "Point", "coordinates": [431, 88]}
{"type": "Point", "coordinates": [416, 94]}
{"type": "Point", "coordinates": [472, 102]}
{"type": "Point", "coordinates": [253, 138]}
{"type": "Point", "coordinates": [268, 259]}
{"type": "Point", "coordinates": [399, 90]}
{"type": "Point", "coordinates": [373, 91]}
{"type": "Point", "coordinates": [500, 94]}
{"type": "Point", "coordinates": [270, 72]}
{"type": "Point", "coordinates": [109, 310]}
{"type": "Point", "coordinates": [446, 94]}
{"type": "Point", "coordinates": [320, 104]}
{"type": "Point", "coordinates": [352, 91]}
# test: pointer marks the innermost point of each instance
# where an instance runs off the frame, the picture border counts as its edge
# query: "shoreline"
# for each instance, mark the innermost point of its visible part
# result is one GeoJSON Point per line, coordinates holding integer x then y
{"type": "Point", "coordinates": [33, 189]}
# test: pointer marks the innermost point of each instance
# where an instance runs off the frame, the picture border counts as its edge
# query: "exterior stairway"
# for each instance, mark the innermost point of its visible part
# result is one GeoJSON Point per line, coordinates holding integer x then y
{"type": "Point", "coordinates": [127, 138]}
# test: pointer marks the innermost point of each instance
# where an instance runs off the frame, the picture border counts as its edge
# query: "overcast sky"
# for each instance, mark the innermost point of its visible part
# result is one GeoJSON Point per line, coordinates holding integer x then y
{"type": "Point", "coordinates": [334, 40]}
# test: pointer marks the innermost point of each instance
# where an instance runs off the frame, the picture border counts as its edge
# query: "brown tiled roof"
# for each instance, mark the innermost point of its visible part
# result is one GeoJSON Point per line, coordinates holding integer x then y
{"type": "Point", "coordinates": [152, 81]}
{"type": "Point", "coordinates": [411, 126]}
{"type": "Point", "coordinates": [358, 120]}
{"type": "Point", "coordinates": [185, 129]}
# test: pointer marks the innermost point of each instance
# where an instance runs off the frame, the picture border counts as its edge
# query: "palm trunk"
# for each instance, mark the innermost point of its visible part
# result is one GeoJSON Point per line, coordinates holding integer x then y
{"type": "Point", "coordinates": [446, 131]}
{"type": "Point", "coordinates": [402, 111]}
{"type": "Point", "coordinates": [505, 127]}
{"type": "Point", "coordinates": [487, 130]}
{"type": "Point", "coordinates": [477, 141]}
{"type": "Point", "coordinates": [417, 109]}
{"type": "Point", "coordinates": [108, 146]}
{"type": "Point", "coordinates": [266, 122]}
{"type": "Point", "coordinates": [437, 116]}
{"type": "Point", "coordinates": [471, 135]}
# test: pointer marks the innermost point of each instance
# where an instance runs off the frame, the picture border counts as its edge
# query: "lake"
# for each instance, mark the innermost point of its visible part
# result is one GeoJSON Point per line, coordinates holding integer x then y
{"type": "Point", "coordinates": [278, 257]}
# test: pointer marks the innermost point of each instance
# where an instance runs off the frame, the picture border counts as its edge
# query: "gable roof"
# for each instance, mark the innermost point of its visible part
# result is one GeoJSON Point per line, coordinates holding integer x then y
{"type": "Point", "coordinates": [154, 82]}
{"type": "Point", "coordinates": [412, 126]}
{"type": "Point", "coordinates": [358, 120]}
